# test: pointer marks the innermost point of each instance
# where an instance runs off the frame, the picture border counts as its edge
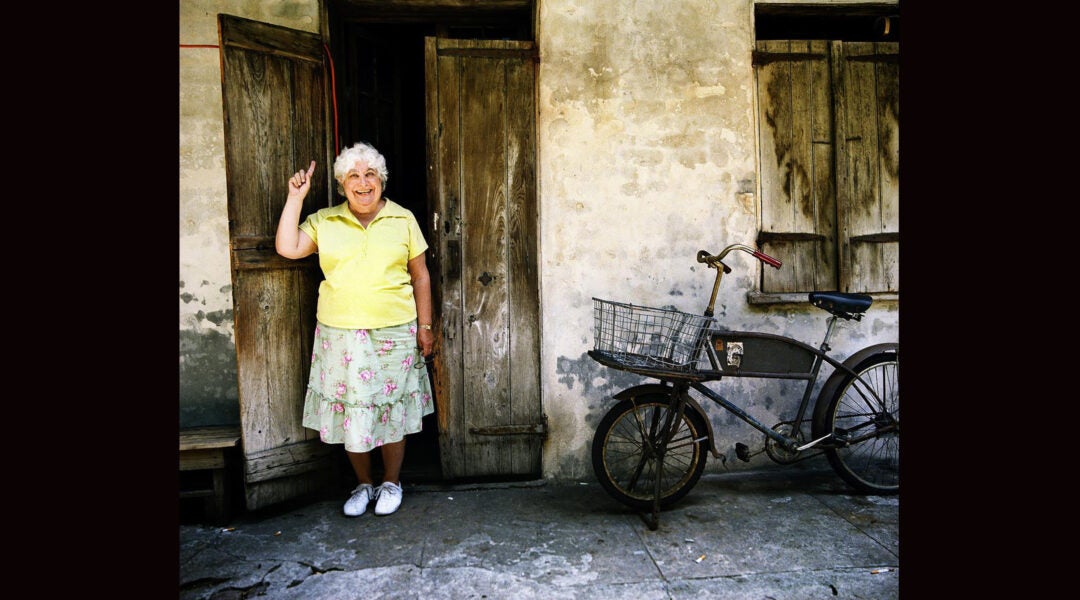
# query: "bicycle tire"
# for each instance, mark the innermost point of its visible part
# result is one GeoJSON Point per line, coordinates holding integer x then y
{"type": "Point", "coordinates": [624, 463]}
{"type": "Point", "coordinates": [870, 463]}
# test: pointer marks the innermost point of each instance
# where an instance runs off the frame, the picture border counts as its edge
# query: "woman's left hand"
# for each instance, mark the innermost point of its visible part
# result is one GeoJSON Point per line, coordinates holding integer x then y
{"type": "Point", "coordinates": [425, 339]}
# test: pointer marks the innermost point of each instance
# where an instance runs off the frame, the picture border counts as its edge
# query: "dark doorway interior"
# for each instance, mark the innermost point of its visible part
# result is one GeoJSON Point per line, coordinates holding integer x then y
{"type": "Point", "coordinates": [378, 60]}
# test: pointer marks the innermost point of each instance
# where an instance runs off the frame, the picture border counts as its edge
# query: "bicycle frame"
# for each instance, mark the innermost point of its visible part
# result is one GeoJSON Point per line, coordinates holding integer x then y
{"type": "Point", "coordinates": [774, 357]}
{"type": "Point", "coordinates": [791, 351]}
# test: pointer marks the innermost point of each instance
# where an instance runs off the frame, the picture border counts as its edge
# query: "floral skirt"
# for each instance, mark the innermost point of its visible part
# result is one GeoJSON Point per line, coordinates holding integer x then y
{"type": "Point", "coordinates": [367, 387]}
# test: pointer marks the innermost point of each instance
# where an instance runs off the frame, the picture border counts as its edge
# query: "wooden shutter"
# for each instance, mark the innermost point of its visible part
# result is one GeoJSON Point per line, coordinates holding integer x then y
{"type": "Point", "coordinates": [795, 132]}
{"type": "Point", "coordinates": [867, 76]}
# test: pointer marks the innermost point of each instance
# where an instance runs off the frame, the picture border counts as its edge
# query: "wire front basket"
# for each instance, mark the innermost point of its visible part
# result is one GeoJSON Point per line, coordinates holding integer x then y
{"type": "Point", "coordinates": [643, 338]}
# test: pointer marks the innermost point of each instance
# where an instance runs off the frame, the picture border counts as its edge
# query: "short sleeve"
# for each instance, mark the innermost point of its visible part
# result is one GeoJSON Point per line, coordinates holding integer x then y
{"type": "Point", "coordinates": [417, 243]}
{"type": "Point", "coordinates": [310, 226]}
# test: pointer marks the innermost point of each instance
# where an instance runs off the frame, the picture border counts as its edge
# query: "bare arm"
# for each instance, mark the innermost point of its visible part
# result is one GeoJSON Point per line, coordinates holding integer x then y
{"type": "Point", "coordinates": [290, 241]}
{"type": "Point", "coordinates": [421, 282]}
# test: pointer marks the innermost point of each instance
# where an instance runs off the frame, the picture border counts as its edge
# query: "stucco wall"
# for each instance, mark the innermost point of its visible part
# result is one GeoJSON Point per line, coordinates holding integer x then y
{"type": "Point", "coordinates": [646, 150]}
{"type": "Point", "coordinates": [647, 155]}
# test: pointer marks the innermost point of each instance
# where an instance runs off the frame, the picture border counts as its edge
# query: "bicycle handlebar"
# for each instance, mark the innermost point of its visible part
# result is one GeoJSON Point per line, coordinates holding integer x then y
{"type": "Point", "coordinates": [705, 257]}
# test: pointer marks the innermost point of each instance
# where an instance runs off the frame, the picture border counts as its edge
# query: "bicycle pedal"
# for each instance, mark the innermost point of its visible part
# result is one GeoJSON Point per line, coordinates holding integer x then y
{"type": "Point", "coordinates": [742, 451]}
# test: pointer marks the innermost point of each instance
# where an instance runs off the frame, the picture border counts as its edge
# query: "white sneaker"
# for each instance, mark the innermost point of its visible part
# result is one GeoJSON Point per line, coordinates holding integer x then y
{"type": "Point", "coordinates": [389, 498]}
{"type": "Point", "coordinates": [357, 503]}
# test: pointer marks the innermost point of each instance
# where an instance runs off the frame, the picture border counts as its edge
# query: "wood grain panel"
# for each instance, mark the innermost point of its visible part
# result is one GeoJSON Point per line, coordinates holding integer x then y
{"type": "Point", "coordinates": [443, 84]}
{"type": "Point", "coordinates": [887, 81]}
{"type": "Point", "coordinates": [246, 34]}
{"type": "Point", "coordinates": [251, 300]}
{"type": "Point", "coordinates": [862, 203]}
{"type": "Point", "coordinates": [803, 203]}
{"type": "Point", "coordinates": [823, 250]}
{"type": "Point", "coordinates": [285, 362]}
{"type": "Point", "coordinates": [774, 91]}
{"type": "Point", "coordinates": [871, 204]}
{"type": "Point", "coordinates": [261, 102]}
{"type": "Point", "coordinates": [484, 266]}
{"type": "Point", "coordinates": [796, 163]}
{"type": "Point", "coordinates": [283, 461]}
{"type": "Point", "coordinates": [305, 301]}
{"type": "Point", "coordinates": [523, 277]}
{"type": "Point", "coordinates": [775, 97]}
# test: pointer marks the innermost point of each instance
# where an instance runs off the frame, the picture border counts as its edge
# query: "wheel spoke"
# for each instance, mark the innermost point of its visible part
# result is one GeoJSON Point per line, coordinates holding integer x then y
{"type": "Point", "coordinates": [864, 417]}
{"type": "Point", "coordinates": [626, 451]}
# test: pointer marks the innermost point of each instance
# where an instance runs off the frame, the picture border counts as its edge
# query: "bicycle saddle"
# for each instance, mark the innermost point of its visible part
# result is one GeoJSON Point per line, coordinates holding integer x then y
{"type": "Point", "coordinates": [841, 304]}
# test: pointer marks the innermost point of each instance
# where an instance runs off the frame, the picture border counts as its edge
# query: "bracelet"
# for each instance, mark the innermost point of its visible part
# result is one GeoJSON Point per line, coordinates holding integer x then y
{"type": "Point", "coordinates": [428, 327]}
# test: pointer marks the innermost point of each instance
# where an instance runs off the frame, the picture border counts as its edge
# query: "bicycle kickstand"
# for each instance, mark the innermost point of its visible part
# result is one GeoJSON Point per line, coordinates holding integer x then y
{"type": "Point", "coordinates": [672, 423]}
{"type": "Point", "coordinates": [652, 520]}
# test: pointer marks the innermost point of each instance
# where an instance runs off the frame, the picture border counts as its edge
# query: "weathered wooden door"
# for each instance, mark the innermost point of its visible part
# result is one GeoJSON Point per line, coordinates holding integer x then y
{"type": "Point", "coordinates": [275, 93]}
{"type": "Point", "coordinates": [481, 122]}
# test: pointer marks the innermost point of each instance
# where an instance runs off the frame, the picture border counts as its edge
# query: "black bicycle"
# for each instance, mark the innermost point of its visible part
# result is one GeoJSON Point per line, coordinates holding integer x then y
{"type": "Point", "coordinates": [649, 449]}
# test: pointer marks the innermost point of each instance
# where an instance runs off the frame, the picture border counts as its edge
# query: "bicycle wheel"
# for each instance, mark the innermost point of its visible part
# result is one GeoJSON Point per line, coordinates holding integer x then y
{"type": "Point", "coordinates": [867, 455]}
{"type": "Point", "coordinates": [624, 454]}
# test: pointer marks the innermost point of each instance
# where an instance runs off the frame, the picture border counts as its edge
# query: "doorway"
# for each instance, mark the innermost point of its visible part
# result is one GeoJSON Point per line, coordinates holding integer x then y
{"type": "Point", "coordinates": [380, 92]}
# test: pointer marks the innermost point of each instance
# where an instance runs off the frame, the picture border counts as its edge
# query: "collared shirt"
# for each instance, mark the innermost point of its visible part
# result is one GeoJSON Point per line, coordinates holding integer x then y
{"type": "Point", "coordinates": [367, 283]}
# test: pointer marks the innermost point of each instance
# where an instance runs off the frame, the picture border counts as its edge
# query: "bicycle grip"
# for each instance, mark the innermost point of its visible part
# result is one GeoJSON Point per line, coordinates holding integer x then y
{"type": "Point", "coordinates": [765, 258]}
{"type": "Point", "coordinates": [704, 257]}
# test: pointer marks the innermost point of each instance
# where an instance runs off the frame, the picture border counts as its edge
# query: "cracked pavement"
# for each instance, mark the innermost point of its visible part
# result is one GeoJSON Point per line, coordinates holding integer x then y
{"type": "Point", "coordinates": [781, 533]}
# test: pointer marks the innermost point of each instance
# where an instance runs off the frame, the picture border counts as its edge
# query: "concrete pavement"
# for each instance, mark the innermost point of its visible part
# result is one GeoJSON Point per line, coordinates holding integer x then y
{"type": "Point", "coordinates": [782, 533]}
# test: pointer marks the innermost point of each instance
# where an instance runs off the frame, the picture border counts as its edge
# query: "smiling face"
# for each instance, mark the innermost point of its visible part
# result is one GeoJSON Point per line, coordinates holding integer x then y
{"type": "Point", "coordinates": [363, 189]}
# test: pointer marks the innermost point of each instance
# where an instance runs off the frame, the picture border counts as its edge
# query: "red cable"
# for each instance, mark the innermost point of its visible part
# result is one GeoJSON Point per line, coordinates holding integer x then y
{"type": "Point", "coordinates": [333, 97]}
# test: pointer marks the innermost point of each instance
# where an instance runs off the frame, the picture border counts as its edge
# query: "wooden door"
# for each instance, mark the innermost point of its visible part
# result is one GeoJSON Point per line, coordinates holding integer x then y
{"type": "Point", "coordinates": [275, 98]}
{"type": "Point", "coordinates": [481, 121]}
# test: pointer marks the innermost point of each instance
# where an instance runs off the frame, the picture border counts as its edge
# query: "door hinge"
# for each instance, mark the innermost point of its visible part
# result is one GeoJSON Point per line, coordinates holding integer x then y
{"type": "Point", "coordinates": [526, 429]}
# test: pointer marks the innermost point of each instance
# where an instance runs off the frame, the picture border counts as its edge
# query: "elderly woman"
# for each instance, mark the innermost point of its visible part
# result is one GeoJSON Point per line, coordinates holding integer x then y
{"type": "Point", "coordinates": [368, 386]}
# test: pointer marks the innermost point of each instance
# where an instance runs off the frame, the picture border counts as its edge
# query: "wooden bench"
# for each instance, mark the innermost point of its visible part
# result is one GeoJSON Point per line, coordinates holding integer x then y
{"type": "Point", "coordinates": [209, 449]}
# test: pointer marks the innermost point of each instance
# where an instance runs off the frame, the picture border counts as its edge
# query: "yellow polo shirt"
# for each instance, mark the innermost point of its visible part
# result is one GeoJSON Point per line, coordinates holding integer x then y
{"type": "Point", "coordinates": [367, 283]}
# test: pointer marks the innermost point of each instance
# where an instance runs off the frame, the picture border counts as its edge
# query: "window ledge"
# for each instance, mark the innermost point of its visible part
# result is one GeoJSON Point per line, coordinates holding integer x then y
{"type": "Point", "coordinates": [803, 297]}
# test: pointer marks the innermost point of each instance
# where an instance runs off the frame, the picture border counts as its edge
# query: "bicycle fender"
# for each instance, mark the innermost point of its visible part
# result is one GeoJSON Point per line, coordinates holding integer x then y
{"type": "Point", "coordinates": [838, 375]}
{"type": "Point", "coordinates": [660, 388]}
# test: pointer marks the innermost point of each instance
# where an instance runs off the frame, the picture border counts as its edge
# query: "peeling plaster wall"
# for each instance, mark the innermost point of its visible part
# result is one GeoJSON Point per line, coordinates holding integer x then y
{"type": "Point", "coordinates": [646, 154]}
{"type": "Point", "coordinates": [208, 386]}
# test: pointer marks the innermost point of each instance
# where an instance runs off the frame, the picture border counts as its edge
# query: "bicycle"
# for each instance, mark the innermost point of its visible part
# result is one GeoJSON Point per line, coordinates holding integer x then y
{"type": "Point", "coordinates": [649, 450]}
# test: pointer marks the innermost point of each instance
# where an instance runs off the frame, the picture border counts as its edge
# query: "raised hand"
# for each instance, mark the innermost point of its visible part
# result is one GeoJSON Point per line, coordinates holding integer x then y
{"type": "Point", "coordinates": [300, 182]}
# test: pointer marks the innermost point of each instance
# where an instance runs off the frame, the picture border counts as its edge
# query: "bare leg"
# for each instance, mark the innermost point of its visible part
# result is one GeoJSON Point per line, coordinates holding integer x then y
{"type": "Point", "coordinates": [361, 464]}
{"type": "Point", "coordinates": [392, 456]}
